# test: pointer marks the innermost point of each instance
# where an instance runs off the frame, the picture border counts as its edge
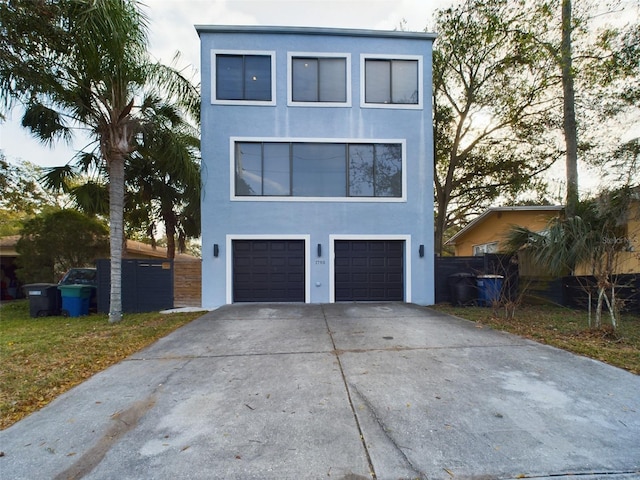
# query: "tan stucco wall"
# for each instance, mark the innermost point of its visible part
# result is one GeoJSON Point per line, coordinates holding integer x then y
{"type": "Point", "coordinates": [496, 224]}
{"type": "Point", "coordinates": [627, 262]}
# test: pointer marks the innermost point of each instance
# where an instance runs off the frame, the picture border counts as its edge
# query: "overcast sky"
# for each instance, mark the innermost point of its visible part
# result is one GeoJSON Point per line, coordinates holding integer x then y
{"type": "Point", "coordinates": [171, 25]}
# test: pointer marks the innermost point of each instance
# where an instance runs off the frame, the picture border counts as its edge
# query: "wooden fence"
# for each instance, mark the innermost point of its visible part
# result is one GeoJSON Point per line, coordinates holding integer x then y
{"type": "Point", "coordinates": [187, 283]}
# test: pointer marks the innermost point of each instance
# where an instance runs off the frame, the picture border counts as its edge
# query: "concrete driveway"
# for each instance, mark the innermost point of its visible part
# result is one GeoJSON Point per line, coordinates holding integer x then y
{"type": "Point", "coordinates": [340, 391]}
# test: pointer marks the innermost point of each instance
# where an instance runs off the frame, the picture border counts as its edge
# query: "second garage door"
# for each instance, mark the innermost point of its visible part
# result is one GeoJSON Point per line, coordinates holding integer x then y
{"type": "Point", "coordinates": [268, 271]}
{"type": "Point", "coordinates": [369, 270]}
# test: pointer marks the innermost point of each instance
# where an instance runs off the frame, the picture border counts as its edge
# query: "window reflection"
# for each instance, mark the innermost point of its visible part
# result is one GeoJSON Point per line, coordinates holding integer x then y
{"type": "Point", "coordinates": [391, 81]}
{"type": "Point", "coordinates": [319, 79]}
{"type": "Point", "coordinates": [318, 169]}
{"type": "Point", "coordinates": [243, 77]}
{"type": "Point", "coordinates": [276, 173]}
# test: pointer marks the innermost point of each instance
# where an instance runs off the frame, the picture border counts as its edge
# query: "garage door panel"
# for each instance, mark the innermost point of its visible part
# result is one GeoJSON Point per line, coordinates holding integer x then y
{"type": "Point", "coordinates": [259, 246]}
{"type": "Point", "coordinates": [376, 247]}
{"type": "Point", "coordinates": [377, 262]}
{"type": "Point", "coordinates": [369, 270]}
{"type": "Point", "coordinates": [268, 271]}
{"type": "Point", "coordinates": [359, 262]}
{"type": "Point", "coordinates": [278, 278]}
{"type": "Point", "coordinates": [377, 278]}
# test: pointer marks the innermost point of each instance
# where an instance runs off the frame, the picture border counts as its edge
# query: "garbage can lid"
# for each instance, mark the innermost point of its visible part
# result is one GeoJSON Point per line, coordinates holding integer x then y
{"type": "Point", "coordinates": [490, 276]}
{"type": "Point", "coordinates": [75, 287]}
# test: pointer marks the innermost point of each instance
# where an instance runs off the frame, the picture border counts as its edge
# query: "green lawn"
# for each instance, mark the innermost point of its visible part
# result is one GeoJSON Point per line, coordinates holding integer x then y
{"type": "Point", "coordinates": [44, 357]}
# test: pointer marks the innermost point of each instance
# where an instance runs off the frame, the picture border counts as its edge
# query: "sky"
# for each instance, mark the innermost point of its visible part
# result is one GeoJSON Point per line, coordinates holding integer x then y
{"type": "Point", "coordinates": [171, 30]}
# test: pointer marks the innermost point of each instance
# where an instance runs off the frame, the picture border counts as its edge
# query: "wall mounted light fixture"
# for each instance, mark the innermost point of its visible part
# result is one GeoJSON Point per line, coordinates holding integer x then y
{"type": "Point", "coordinates": [216, 250]}
{"type": "Point", "coordinates": [319, 250]}
{"type": "Point", "coordinates": [421, 251]}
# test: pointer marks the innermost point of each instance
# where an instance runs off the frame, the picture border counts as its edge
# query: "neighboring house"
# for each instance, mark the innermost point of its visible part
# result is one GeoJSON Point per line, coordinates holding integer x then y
{"type": "Point", "coordinates": [627, 260]}
{"type": "Point", "coordinates": [9, 285]}
{"type": "Point", "coordinates": [485, 233]}
{"type": "Point", "coordinates": [317, 165]}
{"type": "Point", "coordinates": [187, 284]}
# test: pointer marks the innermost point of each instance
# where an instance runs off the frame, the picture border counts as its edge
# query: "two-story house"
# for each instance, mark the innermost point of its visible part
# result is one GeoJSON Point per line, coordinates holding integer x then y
{"type": "Point", "coordinates": [317, 165]}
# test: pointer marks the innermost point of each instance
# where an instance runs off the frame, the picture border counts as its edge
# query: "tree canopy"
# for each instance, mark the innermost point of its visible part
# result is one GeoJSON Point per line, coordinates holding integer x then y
{"type": "Point", "coordinates": [517, 84]}
{"type": "Point", "coordinates": [491, 109]}
{"type": "Point", "coordinates": [21, 195]}
{"type": "Point", "coordinates": [53, 242]}
{"type": "Point", "coordinates": [84, 64]}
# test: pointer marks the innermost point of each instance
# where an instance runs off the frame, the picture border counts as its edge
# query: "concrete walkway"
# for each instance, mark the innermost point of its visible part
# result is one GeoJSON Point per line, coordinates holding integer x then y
{"type": "Point", "coordinates": [340, 391]}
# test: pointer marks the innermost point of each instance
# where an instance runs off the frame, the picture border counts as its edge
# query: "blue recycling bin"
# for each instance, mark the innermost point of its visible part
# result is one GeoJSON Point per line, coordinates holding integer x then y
{"type": "Point", "coordinates": [489, 289]}
{"type": "Point", "coordinates": [75, 299]}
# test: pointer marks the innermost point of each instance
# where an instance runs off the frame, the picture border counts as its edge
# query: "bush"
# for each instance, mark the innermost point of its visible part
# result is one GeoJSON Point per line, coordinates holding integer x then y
{"type": "Point", "coordinates": [54, 242]}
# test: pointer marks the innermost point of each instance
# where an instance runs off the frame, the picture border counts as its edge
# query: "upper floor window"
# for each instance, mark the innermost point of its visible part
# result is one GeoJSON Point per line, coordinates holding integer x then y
{"type": "Point", "coordinates": [243, 77]}
{"type": "Point", "coordinates": [392, 82]}
{"type": "Point", "coordinates": [319, 78]}
{"type": "Point", "coordinates": [310, 169]}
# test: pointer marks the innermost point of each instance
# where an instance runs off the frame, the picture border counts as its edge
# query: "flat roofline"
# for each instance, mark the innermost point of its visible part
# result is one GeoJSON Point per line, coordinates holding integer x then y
{"type": "Point", "coordinates": [326, 31]}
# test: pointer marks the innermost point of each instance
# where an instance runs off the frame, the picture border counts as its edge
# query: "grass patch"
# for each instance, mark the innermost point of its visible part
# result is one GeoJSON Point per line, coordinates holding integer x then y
{"type": "Point", "coordinates": [44, 357]}
{"type": "Point", "coordinates": [566, 329]}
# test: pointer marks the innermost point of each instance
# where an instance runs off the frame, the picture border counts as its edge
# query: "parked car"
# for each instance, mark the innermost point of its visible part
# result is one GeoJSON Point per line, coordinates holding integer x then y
{"type": "Point", "coordinates": [80, 276]}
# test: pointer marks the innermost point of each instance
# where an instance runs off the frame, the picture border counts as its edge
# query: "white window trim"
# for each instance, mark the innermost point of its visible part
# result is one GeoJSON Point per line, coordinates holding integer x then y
{"type": "Point", "coordinates": [407, 260]}
{"type": "Point", "coordinates": [307, 259]}
{"type": "Point", "coordinates": [397, 106]}
{"type": "Point", "coordinates": [214, 99]}
{"type": "Point", "coordinates": [257, 198]}
{"type": "Point", "coordinates": [291, 55]}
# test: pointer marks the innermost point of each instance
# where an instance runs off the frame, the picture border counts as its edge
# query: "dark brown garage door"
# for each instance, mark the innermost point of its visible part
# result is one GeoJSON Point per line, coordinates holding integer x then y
{"type": "Point", "coordinates": [268, 271]}
{"type": "Point", "coordinates": [369, 270]}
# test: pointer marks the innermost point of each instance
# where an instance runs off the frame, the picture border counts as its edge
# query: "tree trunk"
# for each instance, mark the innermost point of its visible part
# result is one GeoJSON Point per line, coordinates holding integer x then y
{"type": "Point", "coordinates": [599, 307]}
{"type": "Point", "coordinates": [116, 218]}
{"type": "Point", "coordinates": [569, 121]}
{"type": "Point", "coordinates": [169, 219]}
{"type": "Point", "coordinates": [440, 221]}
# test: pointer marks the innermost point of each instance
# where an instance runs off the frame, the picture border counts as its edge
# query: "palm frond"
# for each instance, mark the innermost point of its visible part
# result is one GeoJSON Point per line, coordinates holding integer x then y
{"type": "Point", "coordinates": [45, 123]}
{"type": "Point", "coordinates": [59, 179]}
{"type": "Point", "coordinates": [92, 198]}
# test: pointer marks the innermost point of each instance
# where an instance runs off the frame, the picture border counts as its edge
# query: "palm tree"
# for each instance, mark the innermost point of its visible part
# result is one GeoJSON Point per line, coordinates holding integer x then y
{"type": "Point", "coordinates": [591, 239]}
{"type": "Point", "coordinates": [162, 178]}
{"type": "Point", "coordinates": [86, 68]}
{"type": "Point", "coordinates": [164, 173]}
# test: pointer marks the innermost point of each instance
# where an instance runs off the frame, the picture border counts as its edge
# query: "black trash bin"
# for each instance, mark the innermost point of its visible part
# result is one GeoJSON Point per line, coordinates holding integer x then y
{"type": "Point", "coordinates": [463, 289]}
{"type": "Point", "coordinates": [44, 299]}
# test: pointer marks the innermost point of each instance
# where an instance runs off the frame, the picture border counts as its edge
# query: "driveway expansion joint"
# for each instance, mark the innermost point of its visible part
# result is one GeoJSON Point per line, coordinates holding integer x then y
{"type": "Point", "coordinates": [385, 431]}
{"type": "Point", "coordinates": [353, 410]}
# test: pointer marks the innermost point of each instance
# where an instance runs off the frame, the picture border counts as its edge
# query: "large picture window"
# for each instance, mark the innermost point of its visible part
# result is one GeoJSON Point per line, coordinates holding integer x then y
{"type": "Point", "coordinates": [308, 169]}
{"type": "Point", "coordinates": [392, 82]}
{"type": "Point", "coordinates": [318, 79]}
{"type": "Point", "coordinates": [243, 77]}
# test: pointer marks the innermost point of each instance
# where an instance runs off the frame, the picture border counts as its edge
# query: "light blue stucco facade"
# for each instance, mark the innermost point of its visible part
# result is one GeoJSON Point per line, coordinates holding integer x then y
{"type": "Point", "coordinates": [317, 221]}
